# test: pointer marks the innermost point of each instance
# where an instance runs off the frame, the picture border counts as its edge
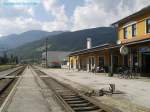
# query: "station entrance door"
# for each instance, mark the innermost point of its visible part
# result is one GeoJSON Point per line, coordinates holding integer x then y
{"type": "Point", "coordinates": [146, 63]}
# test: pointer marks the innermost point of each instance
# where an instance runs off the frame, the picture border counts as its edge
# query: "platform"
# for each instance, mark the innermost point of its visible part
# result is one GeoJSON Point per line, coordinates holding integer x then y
{"type": "Point", "coordinates": [135, 91]}
{"type": "Point", "coordinates": [28, 97]}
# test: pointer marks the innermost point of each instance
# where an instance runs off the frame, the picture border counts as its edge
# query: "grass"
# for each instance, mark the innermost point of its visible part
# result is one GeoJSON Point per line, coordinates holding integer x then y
{"type": "Point", "coordinates": [5, 67]}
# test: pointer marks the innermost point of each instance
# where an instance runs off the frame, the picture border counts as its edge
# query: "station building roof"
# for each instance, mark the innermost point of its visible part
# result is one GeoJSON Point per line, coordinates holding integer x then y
{"type": "Point", "coordinates": [109, 46]}
{"type": "Point", "coordinates": [93, 49]}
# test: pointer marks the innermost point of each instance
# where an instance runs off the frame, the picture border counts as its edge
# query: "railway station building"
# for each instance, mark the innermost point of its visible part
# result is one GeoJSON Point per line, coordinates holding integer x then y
{"type": "Point", "coordinates": [132, 48]}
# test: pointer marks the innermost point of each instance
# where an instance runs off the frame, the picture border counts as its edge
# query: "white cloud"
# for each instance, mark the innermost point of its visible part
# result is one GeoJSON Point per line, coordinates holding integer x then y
{"type": "Point", "coordinates": [30, 11]}
{"type": "Point", "coordinates": [54, 25]}
{"type": "Point", "coordinates": [18, 25]}
{"type": "Point", "coordinates": [1, 35]}
{"type": "Point", "coordinates": [21, 24]}
{"type": "Point", "coordinates": [22, 7]}
{"type": "Point", "coordinates": [60, 21]}
{"type": "Point", "coordinates": [95, 13]}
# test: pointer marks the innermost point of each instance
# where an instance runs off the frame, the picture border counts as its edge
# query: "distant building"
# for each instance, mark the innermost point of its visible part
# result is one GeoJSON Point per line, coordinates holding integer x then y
{"type": "Point", "coordinates": [55, 59]}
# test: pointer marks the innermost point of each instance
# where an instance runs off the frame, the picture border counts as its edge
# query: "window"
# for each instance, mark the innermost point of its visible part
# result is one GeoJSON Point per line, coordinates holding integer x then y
{"type": "Point", "coordinates": [133, 30]}
{"type": "Point", "coordinates": [148, 26]}
{"type": "Point", "coordinates": [125, 33]}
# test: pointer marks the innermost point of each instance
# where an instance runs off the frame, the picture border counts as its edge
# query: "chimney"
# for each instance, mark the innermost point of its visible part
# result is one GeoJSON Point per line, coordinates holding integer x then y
{"type": "Point", "coordinates": [89, 43]}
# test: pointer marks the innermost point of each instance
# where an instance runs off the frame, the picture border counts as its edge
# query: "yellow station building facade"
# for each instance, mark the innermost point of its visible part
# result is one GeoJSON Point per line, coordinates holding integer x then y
{"type": "Point", "coordinates": [133, 34]}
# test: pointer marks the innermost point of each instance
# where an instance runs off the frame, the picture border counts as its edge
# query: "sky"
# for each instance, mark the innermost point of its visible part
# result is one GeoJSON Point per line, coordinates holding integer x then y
{"type": "Point", "coordinates": [17, 16]}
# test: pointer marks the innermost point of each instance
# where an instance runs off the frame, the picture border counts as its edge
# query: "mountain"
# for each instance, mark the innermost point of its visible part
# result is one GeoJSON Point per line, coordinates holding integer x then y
{"type": "Point", "coordinates": [67, 41]}
{"type": "Point", "coordinates": [16, 40]}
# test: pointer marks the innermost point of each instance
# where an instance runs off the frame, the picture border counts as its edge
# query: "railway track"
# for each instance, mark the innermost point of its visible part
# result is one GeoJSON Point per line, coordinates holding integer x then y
{"type": "Point", "coordinates": [7, 82]}
{"type": "Point", "coordinates": [71, 99]}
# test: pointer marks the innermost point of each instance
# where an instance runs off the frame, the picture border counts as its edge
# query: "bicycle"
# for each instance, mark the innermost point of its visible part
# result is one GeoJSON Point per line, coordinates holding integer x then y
{"type": "Point", "coordinates": [124, 72]}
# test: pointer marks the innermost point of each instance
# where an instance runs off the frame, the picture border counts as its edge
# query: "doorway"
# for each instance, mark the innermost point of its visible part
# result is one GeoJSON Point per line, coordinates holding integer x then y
{"type": "Point", "coordinates": [146, 62]}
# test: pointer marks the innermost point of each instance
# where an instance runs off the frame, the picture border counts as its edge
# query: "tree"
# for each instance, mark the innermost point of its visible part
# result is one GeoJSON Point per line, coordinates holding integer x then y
{"type": "Point", "coordinates": [5, 58]}
{"type": "Point", "coordinates": [11, 58]}
{"type": "Point", "coordinates": [16, 60]}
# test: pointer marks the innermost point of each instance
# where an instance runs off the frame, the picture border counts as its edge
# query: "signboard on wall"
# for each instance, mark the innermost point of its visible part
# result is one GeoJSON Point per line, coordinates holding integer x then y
{"type": "Point", "coordinates": [144, 49]}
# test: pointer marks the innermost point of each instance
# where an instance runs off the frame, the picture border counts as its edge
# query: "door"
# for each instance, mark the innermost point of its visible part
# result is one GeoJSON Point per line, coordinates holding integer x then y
{"type": "Point", "coordinates": [115, 63]}
{"type": "Point", "coordinates": [146, 62]}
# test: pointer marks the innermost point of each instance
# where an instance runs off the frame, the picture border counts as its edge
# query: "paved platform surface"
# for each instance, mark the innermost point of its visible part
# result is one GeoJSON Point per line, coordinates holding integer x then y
{"type": "Point", "coordinates": [28, 97]}
{"type": "Point", "coordinates": [136, 97]}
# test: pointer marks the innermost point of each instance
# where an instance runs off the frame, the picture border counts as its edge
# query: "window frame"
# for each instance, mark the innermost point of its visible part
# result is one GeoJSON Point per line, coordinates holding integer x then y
{"type": "Point", "coordinates": [147, 26]}
{"type": "Point", "coordinates": [125, 32]}
{"type": "Point", "coordinates": [134, 30]}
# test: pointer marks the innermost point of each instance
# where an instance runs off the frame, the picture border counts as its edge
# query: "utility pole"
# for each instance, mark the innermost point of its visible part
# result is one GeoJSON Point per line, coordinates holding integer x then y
{"type": "Point", "coordinates": [46, 52]}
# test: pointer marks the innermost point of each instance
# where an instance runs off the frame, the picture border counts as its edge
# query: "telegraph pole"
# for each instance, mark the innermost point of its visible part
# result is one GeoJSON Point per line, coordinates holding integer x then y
{"type": "Point", "coordinates": [46, 52]}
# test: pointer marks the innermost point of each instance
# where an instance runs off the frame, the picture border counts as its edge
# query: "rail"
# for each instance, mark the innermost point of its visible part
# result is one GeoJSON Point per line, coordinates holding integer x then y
{"type": "Point", "coordinates": [7, 81]}
{"type": "Point", "coordinates": [72, 100]}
